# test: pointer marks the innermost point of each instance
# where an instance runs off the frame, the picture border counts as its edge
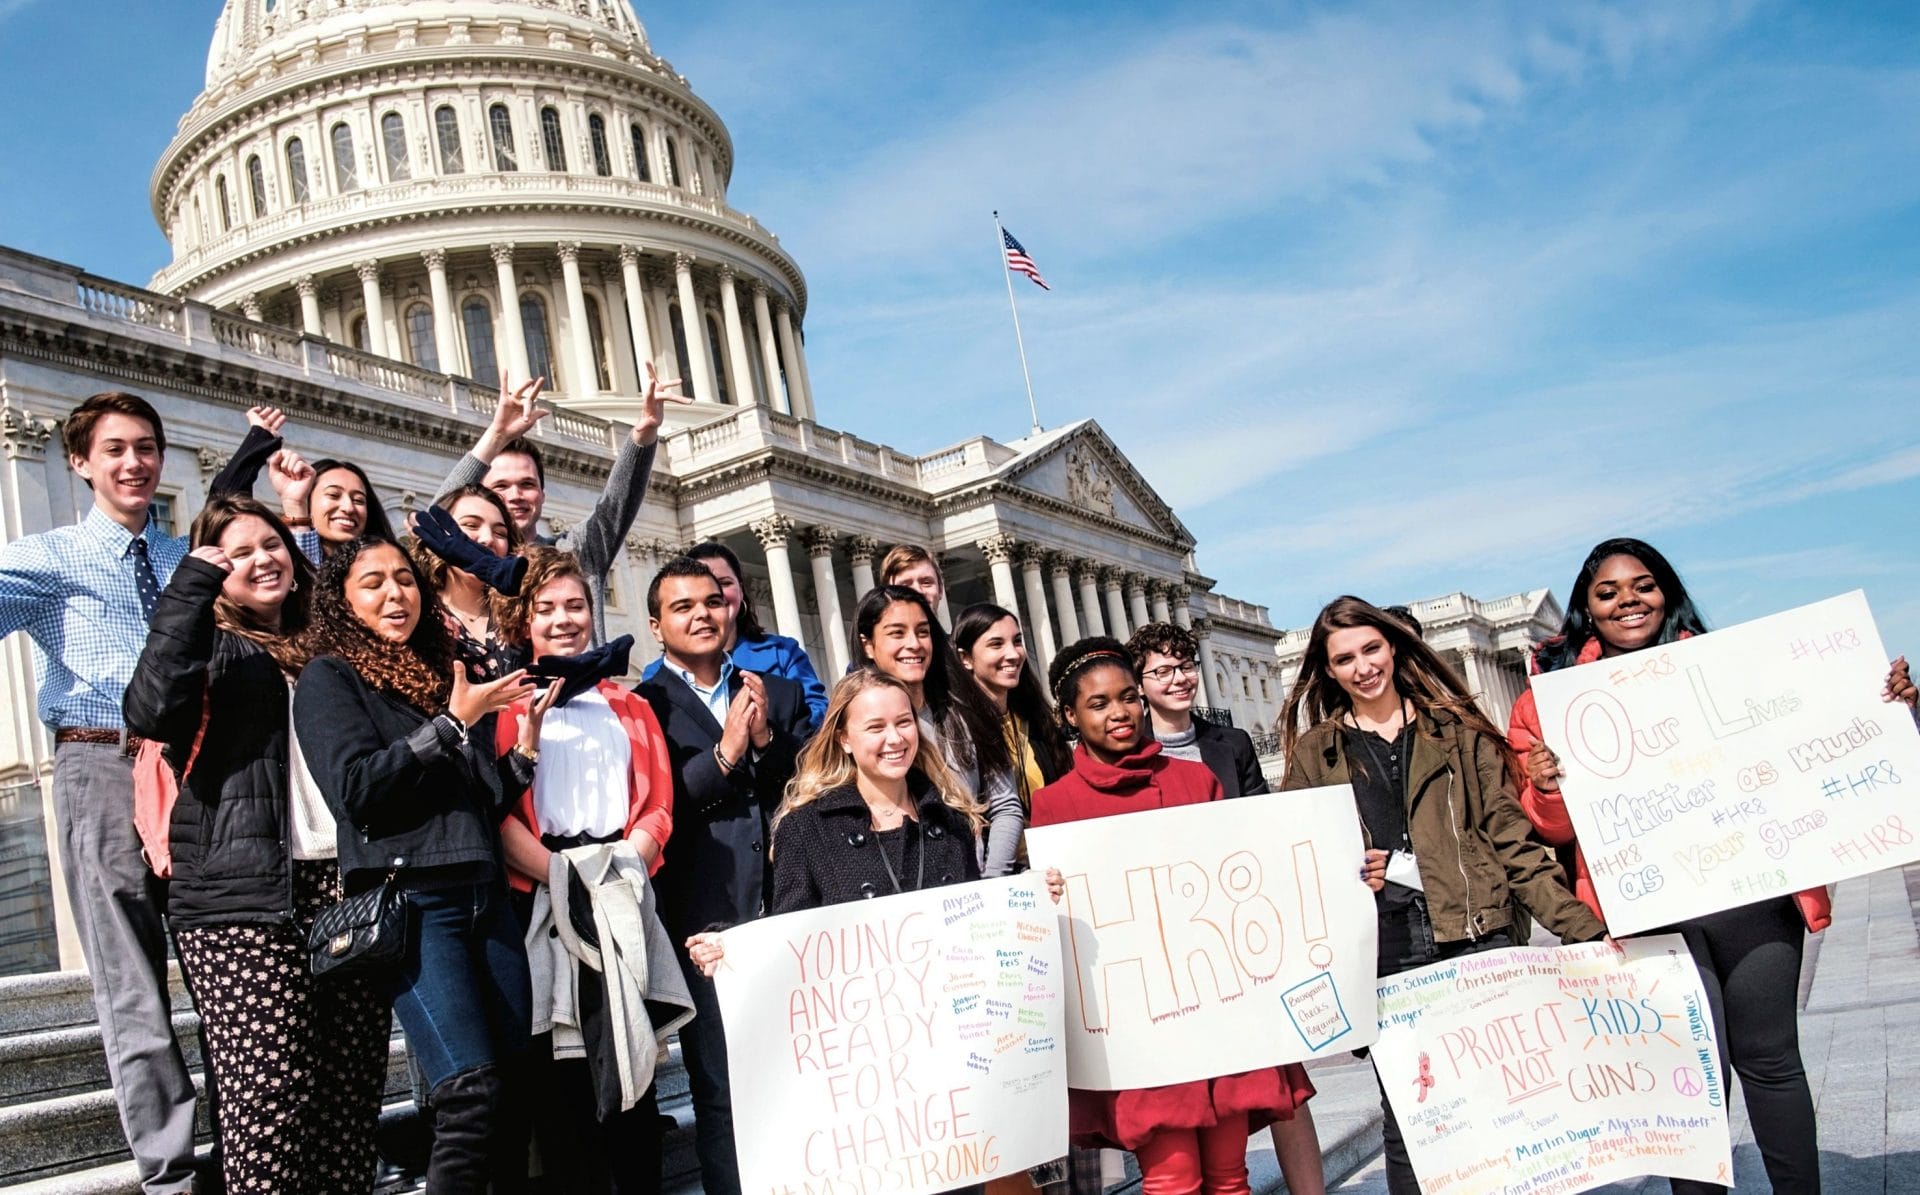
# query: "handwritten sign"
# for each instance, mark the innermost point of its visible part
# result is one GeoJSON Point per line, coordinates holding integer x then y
{"type": "Point", "coordinates": [1554, 1069]}
{"type": "Point", "coordinates": [1212, 939]}
{"type": "Point", "coordinates": [911, 1043]}
{"type": "Point", "coordinates": [1731, 767]}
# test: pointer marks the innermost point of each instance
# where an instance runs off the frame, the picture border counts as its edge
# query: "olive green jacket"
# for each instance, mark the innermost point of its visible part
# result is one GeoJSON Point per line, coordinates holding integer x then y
{"type": "Point", "coordinates": [1473, 843]}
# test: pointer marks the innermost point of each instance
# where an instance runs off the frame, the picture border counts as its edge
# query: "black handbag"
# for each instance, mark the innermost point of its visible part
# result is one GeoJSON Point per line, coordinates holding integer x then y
{"type": "Point", "coordinates": [362, 933]}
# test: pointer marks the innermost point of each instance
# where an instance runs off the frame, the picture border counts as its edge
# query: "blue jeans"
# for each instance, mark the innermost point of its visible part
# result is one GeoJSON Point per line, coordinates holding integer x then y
{"type": "Point", "coordinates": [462, 993]}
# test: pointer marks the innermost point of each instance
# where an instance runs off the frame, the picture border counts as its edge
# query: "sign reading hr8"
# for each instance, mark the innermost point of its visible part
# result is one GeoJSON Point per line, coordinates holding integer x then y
{"type": "Point", "coordinates": [1751, 762]}
{"type": "Point", "coordinates": [1211, 939]}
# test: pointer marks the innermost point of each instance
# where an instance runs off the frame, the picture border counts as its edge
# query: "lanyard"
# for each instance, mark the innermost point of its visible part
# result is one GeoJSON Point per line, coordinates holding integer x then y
{"type": "Point", "coordinates": [919, 880]}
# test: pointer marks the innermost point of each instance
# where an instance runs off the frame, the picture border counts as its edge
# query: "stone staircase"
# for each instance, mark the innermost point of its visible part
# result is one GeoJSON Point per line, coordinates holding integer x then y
{"type": "Point", "coordinates": [60, 1131]}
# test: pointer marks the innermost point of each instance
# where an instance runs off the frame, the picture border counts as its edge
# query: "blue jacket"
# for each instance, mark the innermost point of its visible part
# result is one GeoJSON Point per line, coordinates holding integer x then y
{"type": "Point", "coordinates": [775, 655]}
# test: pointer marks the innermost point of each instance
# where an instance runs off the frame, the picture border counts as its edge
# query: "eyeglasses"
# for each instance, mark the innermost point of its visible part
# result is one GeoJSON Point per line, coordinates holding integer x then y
{"type": "Point", "coordinates": [1165, 673]}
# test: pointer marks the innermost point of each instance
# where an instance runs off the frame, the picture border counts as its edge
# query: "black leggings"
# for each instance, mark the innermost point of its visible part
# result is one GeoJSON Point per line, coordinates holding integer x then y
{"type": "Point", "coordinates": [1749, 961]}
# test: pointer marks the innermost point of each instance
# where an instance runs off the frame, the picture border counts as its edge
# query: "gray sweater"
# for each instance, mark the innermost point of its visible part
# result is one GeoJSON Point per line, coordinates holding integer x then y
{"type": "Point", "coordinates": [597, 540]}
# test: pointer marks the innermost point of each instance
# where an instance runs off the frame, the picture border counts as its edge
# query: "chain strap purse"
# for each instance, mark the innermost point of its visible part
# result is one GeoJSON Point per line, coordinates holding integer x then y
{"type": "Point", "coordinates": [363, 933]}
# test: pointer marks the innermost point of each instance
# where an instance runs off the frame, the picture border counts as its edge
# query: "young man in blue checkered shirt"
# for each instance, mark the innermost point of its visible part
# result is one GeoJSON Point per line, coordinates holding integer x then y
{"type": "Point", "coordinates": [83, 594]}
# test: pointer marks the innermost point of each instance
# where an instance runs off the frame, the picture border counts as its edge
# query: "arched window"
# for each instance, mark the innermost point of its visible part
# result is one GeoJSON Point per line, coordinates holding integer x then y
{"type": "Point", "coordinates": [550, 142]}
{"type": "Point", "coordinates": [681, 357]}
{"type": "Point", "coordinates": [533, 326]}
{"type": "Point", "coordinates": [345, 175]}
{"type": "Point", "coordinates": [597, 333]}
{"type": "Point", "coordinates": [719, 366]}
{"type": "Point", "coordinates": [597, 134]}
{"type": "Point", "coordinates": [673, 164]}
{"type": "Point", "coordinates": [393, 136]}
{"type": "Point", "coordinates": [297, 171]}
{"type": "Point", "coordinates": [478, 322]}
{"type": "Point", "coordinates": [257, 186]}
{"type": "Point", "coordinates": [446, 130]}
{"type": "Point", "coordinates": [226, 207]}
{"type": "Point", "coordinates": [358, 332]}
{"type": "Point", "coordinates": [500, 124]}
{"type": "Point", "coordinates": [420, 337]}
{"type": "Point", "coordinates": [640, 167]}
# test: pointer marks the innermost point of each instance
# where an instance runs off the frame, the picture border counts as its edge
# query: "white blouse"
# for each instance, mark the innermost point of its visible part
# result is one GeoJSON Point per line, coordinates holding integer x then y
{"type": "Point", "coordinates": [312, 833]}
{"type": "Point", "coordinates": [581, 785]}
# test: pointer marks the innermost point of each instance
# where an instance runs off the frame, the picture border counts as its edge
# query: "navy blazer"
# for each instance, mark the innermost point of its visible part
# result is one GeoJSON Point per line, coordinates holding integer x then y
{"type": "Point", "coordinates": [713, 871]}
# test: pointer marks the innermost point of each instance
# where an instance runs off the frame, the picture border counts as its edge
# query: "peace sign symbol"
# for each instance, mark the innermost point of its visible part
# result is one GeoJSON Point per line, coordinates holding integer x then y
{"type": "Point", "coordinates": [1686, 1081]}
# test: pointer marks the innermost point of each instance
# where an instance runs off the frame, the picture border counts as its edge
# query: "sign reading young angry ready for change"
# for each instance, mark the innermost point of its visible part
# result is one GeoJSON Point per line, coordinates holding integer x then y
{"type": "Point", "coordinates": [1735, 766]}
{"type": "Point", "coordinates": [1207, 940]}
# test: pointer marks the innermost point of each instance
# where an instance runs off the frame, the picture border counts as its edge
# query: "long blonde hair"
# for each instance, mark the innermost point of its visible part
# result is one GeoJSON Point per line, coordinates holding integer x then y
{"type": "Point", "coordinates": [825, 765]}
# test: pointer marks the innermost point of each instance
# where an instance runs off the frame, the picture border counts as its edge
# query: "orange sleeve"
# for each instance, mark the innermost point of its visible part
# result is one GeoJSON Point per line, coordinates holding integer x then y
{"type": "Point", "coordinates": [653, 776]}
{"type": "Point", "coordinates": [1547, 811]}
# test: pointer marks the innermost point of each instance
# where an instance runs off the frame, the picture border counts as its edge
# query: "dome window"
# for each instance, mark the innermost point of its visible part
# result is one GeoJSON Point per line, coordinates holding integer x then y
{"type": "Point", "coordinates": [426, 354]}
{"type": "Point", "coordinates": [500, 123]}
{"type": "Point", "coordinates": [346, 174]}
{"type": "Point", "coordinates": [393, 136]}
{"type": "Point", "coordinates": [297, 171]}
{"type": "Point", "coordinates": [550, 140]}
{"type": "Point", "coordinates": [225, 205]}
{"type": "Point", "coordinates": [681, 357]}
{"type": "Point", "coordinates": [597, 134]}
{"type": "Point", "coordinates": [446, 130]}
{"type": "Point", "coordinates": [533, 327]}
{"type": "Point", "coordinates": [257, 186]}
{"type": "Point", "coordinates": [359, 334]}
{"type": "Point", "coordinates": [640, 168]}
{"type": "Point", "coordinates": [719, 363]}
{"type": "Point", "coordinates": [597, 333]}
{"type": "Point", "coordinates": [478, 322]}
{"type": "Point", "coordinates": [673, 164]}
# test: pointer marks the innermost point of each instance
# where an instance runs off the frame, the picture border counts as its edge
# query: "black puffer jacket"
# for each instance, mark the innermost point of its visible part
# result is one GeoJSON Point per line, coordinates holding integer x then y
{"type": "Point", "coordinates": [229, 830]}
{"type": "Point", "coordinates": [826, 852]}
{"type": "Point", "coordinates": [404, 802]}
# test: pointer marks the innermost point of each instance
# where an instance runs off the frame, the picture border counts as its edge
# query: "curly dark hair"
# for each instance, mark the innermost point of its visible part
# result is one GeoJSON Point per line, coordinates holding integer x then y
{"type": "Point", "coordinates": [1164, 637]}
{"type": "Point", "coordinates": [419, 672]}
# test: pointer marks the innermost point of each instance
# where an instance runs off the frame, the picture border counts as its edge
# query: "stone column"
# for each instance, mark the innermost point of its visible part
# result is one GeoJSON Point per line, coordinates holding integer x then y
{"type": "Point", "coordinates": [250, 306]}
{"type": "Point", "coordinates": [796, 384]}
{"type": "Point", "coordinates": [736, 340]}
{"type": "Point", "coordinates": [774, 532]}
{"type": "Point", "coordinates": [1182, 609]}
{"type": "Point", "coordinates": [806, 379]}
{"type": "Point", "coordinates": [699, 356]}
{"type": "Point", "coordinates": [1137, 600]}
{"type": "Point", "coordinates": [510, 327]}
{"type": "Point", "coordinates": [585, 363]}
{"type": "Point", "coordinates": [1483, 682]}
{"type": "Point", "coordinates": [1088, 576]}
{"type": "Point", "coordinates": [861, 550]}
{"type": "Point", "coordinates": [446, 347]}
{"type": "Point", "coordinates": [636, 309]}
{"type": "Point", "coordinates": [769, 355]}
{"type": "Point", "coordinates": [309, 292]}
{"type": "Point", "coordinates": [826, 588]}
{"type": "Point", "coordinates": [369, 272]}
{"type": "Point", "coordinates": [659, 287]}
{"type": "Point", "coordinates": [998, 550]}
{"type": "Point", "coordinates": [1157, 594]}
{"type": "Point", "coordinates": [1063, 600]}
{"type": "Point", "coordinates": [644, 556]}
{"type": "Point", "coordinates": [1039, 626]}
{"type": "Point", "coordinates": [1203, 632]}
{"type": "Point", "coordinates": [1116, 604]}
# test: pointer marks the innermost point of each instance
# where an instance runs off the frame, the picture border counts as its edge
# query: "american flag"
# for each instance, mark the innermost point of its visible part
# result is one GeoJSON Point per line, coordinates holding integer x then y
{"type": "Point", "coordinates": [1020, 263]}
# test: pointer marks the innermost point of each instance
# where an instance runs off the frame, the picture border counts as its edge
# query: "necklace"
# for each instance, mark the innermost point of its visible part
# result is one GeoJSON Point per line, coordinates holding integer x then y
{"type": "Point", "coordinates": [920, 877]}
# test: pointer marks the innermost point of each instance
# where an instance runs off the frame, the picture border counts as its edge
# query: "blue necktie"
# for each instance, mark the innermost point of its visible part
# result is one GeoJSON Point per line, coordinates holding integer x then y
{"type": "Point", "coordinates": [144, 579]}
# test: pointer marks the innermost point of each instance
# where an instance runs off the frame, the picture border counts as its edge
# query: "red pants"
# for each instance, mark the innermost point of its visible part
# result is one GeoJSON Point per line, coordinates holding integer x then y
{"type": "Point", "coordinates": [1186, 1161]}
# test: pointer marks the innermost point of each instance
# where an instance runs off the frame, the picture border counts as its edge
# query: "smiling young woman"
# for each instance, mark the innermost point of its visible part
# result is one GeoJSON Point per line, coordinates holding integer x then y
{"type": "Point", "coordinates": [993, 650]}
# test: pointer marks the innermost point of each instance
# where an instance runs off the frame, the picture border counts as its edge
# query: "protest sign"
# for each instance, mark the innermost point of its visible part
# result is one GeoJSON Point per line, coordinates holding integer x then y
{"type": "Point", "coordinates": [1554, 1069]}
{"type": "Point", "coordinates": [1726, 768]}
{"type": "Point", "coordinates": [1207, 940]}
{"type": "Point", "coordinates": [911, 1043]}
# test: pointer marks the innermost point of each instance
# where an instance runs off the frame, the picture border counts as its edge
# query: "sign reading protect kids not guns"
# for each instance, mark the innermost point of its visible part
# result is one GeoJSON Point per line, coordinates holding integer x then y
{"type": "Point", "coordinates": [1211, 939]}
{"type": "Point", "coordinates": [1551, 1069]}
{"type": "Point", "coordinates": [1732, 767]}
{"type": "Point", "coordinates": [910, 1043]}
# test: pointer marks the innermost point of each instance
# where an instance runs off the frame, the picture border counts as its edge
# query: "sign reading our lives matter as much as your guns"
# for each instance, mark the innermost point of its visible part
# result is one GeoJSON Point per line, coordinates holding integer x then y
{"type": "Point", "coordinates": [907, 1044]}
{"type": "Point", "coordinates": [1735, 766]}
{"type": "Point", "coordinates": [1207, 940]}
{"type": "Point", "coordinates": [1539, 1070]}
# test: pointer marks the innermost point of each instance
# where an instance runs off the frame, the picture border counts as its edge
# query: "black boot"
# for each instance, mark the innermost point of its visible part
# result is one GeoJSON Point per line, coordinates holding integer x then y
{"type": "Point", "coordinates": [465, 1109]}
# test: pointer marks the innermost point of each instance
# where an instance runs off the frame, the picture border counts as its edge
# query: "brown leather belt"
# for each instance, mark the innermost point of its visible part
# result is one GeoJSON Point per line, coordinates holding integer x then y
{"type": "Point", "coordinates": [101, 736]}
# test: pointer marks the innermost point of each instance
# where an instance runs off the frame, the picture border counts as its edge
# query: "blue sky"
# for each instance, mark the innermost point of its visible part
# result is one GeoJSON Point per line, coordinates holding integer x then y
{"type": "Point", "coordinates": [1391, 299]}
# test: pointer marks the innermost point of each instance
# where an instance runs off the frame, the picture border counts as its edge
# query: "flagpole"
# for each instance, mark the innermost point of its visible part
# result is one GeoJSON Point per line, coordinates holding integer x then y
{"type": "Point", "coordinates": [1000, 245]}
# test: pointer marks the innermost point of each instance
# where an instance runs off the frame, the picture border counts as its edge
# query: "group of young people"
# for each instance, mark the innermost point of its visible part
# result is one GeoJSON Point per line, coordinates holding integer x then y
{"type": "Point", "coordinates": [434, 717]}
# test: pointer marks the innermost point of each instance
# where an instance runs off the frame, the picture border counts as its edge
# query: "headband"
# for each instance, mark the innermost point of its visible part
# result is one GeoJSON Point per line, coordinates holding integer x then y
{"type": "Point", "coordinates": [1092, 657]}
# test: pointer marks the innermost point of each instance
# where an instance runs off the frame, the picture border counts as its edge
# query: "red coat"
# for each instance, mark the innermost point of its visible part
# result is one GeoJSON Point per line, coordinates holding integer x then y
{"type": "Point", "coordinates": [649, 778]}
{"type": "Point", "coordinates": [1148, 779]}
{"type": "Point", "coordinates": [1548, 810]}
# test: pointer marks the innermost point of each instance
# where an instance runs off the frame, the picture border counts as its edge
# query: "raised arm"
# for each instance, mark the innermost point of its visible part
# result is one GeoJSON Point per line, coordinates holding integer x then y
{"type": "Point", "coordinates": [514, 415]}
